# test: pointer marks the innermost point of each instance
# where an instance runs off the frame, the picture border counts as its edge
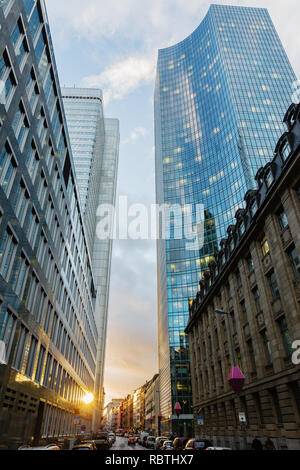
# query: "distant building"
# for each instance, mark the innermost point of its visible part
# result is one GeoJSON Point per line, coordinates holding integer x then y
{"type": "Point", "coordinates": [255, 277]}
{"type": "Point", "coordinates": [109, 413]}
{"type": "Point", "coordinates": [152, 407]}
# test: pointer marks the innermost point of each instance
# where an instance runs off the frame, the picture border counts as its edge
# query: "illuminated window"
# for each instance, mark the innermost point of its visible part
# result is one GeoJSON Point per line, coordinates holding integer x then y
{"type": "Point", "coordinates": [265, 246]}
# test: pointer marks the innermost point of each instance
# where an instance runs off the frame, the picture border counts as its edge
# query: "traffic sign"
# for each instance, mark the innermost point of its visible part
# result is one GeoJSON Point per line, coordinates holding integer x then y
{"type": "Point", "coordinates": [200, 421]}
{"type": "Point", "coordinates": [77, 420]}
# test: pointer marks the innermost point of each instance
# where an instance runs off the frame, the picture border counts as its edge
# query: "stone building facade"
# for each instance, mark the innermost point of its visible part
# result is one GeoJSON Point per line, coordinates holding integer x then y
{"type": "Point", "coordinates": [255, 278]}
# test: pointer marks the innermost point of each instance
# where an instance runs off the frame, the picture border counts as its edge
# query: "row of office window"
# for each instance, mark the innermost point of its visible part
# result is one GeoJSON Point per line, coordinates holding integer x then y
{"type": "Point", "coordinates": [38, 203]}
{"type": "Point", "coordinates": [32, 359]}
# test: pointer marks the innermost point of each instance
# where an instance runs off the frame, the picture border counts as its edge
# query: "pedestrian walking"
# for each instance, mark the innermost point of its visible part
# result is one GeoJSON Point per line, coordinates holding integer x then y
{"type": "Point", "coordinates": [256, 444]}
{"type": "Point", "coordinates": [269, 445]}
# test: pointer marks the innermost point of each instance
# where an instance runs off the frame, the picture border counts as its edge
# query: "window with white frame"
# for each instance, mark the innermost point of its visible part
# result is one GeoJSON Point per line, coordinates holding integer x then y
{"type": "Point", "coordinates": [22, 276]}
{"type": "Point", "coordinates": [8, 323]}
{"type": "Point", "coordinates": [286, 151]}
{"type": "Point", "coordinates": [22, 201]}
{"type": "Point", "coordinates": [21, 347]}
{"type": "Point", "coordinates": [40, 365]}
{"type": "Point", "coordinates": [20, 125]}
{"type": "Point", "coordinates": [269, 178]}
{"type": "Point", "coordinates": [8, 80]}
{"type": "Point", "coordinates": [42, 127]}
{"type": "Point", "coordinates": [8, 166]}
{"type": "Point", "coordinates": [32, 226]}
{"type": "Point", "coordinates": [50, 156]}
{"type": "Point", "coordinates": [28, 5]}
{"type": "Point", "coordinates": [42, 248]}
{"type": "Point", "coordinates": [32, 90]}
{"type": "Point", "coordinates": [31, 357]}
{"type": "Point", "coordinates": [41, 306]}
{"type": "Point", "coordinates": [8, 249]}
{"type": "Point", "coordinates": [20, 43]}
{"type": "Point", "coordinates": [253, 208]}
{"type": "Point", "coordinates": [32, 294]}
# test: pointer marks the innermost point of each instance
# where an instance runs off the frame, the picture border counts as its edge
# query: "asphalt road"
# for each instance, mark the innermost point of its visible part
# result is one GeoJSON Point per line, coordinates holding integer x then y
{"type": "Point", "coordinates": [121, 444]}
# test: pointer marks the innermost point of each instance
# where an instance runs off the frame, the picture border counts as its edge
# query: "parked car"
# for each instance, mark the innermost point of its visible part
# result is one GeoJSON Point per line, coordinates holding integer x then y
{"type": "Point", "coordinates": [48, 447]}
{"type": "Point", "coordinates": [218, 448]}
{"type": "Point", "coordinates": [197, 444]}
{"type": "Point", "coordinates": [91, 442]}
{"type": "Point", "coordinates": [167, 445]}
{"type": "Point", "coordinates": [179, 443]}
{"type": "Point", "coordinates": [159, 442]}
{"type": "Point", "coordinates": [84, 446]}
{"type": "Point", "coordinates": [150, 442]}
{"type": "Point", "coordinates": [141, 438]}
{"type": "Point", "coordinates": [131, 441]}
{"type": "Point", "coordinates": [102, 441]}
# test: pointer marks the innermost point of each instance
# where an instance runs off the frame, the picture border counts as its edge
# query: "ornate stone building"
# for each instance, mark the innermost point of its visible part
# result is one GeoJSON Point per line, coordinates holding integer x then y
{"type": "Point", "coordinates": [255, 278]}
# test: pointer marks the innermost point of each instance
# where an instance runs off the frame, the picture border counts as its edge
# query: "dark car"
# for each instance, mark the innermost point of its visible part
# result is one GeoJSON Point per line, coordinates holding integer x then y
{"type": "Point", "coordinates": [102, 441]}
{"type": "Point", "coordinates": [150, 442]}
{"type": "Point", "coordinates": [131, 441]}
{"type": "Point", "coordinates": [86, 446]}
{"type": "Point", "coordinates": [179, 443]}
{"type": "Point", "coordinates": [198, 444]}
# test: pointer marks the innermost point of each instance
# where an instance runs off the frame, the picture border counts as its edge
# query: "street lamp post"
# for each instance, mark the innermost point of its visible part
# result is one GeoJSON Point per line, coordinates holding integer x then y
{"type": "Point", "coordinates": [159, 422]}
{"type": "Point", "coordinates": [151, 421]}
{"type": "Point", "coordinates": [236, 378]}
{"type": "Point", "coordinates": [177, 409]}
{"type": "Point", "coordinates": [159, 413]}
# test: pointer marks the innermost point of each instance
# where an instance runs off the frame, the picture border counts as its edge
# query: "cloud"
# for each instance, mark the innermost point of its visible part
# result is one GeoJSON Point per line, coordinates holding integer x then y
{"type": "Point", "coordinates": [131, 357]}
{"type": "Point", "coordinates": [123, 77]}
{"type": "Point", "coordinates": [145, 26]}
{"type": "Point", "coordinates": [135, 135]}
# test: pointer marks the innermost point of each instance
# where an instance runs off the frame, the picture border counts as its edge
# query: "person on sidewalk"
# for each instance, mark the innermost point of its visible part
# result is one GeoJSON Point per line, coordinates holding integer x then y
{"type": "Point", "coordinates": [256, 444]}
{"type": "Point", "coordinates": [269, 445]}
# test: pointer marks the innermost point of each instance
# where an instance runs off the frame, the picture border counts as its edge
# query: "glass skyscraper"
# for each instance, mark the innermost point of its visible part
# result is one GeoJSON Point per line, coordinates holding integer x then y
{"type": "Point", "coordinates": [48, 332]}
{"type": "Point", "coordinates": [95, 146]}
{"type": "Point", "coordinates": [219, 100]}
{"type": "Point", "coordinates": [85, 118]}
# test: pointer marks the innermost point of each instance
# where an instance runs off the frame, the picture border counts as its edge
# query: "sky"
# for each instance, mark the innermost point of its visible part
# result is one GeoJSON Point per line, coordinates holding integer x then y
{"type": "Point", "coordinates": [113, 46]}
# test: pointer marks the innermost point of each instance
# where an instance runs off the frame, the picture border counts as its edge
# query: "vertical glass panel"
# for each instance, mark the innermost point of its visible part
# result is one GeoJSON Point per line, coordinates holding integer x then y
{"type": "Point", "coordinates": [28, 5]}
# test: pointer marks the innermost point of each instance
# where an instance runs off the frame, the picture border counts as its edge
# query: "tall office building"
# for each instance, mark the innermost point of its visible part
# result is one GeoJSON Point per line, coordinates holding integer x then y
{"type": "Point", "coordinates": [219, 100]}
{"type": "Point", "coordinates": [48, 333]}
{"type": "Point", "coordinates": [85, 119]}
{"type": "Point", "coordinates": [95, 145]}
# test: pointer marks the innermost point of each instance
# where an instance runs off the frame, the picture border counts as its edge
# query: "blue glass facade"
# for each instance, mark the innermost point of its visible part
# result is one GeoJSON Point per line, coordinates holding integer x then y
{"type": "Point", "coordinates": [219, 100]}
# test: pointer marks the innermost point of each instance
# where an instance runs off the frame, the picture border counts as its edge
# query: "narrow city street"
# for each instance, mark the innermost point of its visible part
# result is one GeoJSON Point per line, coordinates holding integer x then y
{"type": "Point", "coordinates": [121, 444]}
